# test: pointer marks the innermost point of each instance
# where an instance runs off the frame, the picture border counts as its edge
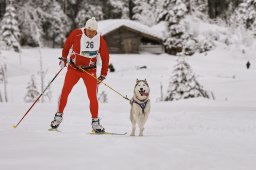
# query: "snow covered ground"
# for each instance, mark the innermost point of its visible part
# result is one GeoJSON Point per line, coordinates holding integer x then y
{"type": "Point", "coordinates": [194, 134]}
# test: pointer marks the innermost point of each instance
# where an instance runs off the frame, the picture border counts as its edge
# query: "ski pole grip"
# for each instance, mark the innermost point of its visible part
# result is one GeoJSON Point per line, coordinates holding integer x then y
{"type": "Point", "coordinates": [66, 60]}
{"type": "Point", "coordinates": [63, 59]}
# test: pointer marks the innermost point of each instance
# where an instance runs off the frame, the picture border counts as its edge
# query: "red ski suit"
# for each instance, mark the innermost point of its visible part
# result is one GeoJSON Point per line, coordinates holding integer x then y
{"type": "Point", "coordinates": [73, 75]}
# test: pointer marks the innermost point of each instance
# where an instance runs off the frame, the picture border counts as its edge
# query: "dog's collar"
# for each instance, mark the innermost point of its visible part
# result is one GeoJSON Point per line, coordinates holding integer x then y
{"type": "Point", "coordinates": [141, 103]}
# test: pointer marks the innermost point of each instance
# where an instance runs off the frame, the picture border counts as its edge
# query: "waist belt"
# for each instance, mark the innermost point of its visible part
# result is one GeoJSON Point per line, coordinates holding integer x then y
{"type": "Point", "coordinates": [82, 67]}
{"type": "Point", "coordinates": [88, 67]}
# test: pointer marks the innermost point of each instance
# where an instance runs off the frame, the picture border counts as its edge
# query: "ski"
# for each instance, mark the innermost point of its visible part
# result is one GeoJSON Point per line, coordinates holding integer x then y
{"type": "Point", "coordinates": [54, 129]}
{"type": "Point", "coordinates": [107, 133]}
{"type": "Point", "coordinates": [92, 133]}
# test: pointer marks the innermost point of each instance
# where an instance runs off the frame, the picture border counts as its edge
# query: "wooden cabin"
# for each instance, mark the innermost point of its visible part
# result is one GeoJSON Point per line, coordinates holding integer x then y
{"type": "Point", "coordinates": [126, 36]}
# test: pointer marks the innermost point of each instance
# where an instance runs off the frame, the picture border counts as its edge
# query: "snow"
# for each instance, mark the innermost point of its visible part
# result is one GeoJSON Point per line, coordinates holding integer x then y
{"type": "Point", "coordinates": [161, 26]}
{"type": "Point", "coordinates": [107, 26]}
{"type": "Point", "coordinates": [204, 27]}
{"type": "Point", "coordinates": [193, 134]}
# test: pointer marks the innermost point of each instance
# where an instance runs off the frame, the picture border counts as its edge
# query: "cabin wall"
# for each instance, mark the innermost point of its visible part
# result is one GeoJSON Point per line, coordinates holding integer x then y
{"type": "Point", "coordinates": [127, 41]}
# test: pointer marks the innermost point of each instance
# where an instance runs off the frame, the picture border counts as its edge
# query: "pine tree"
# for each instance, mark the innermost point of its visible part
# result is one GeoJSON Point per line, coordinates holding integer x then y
{"type": "Point", "coordinates": [48, 94]}
{"type": "Point", "coordinates": [59, 24]}
{"type": "Point", "coordinates": [115, 9]}
{"type": "Point", "coordinates": [245, 15]}
{"type": "Point", "coordinates": [198, 6]}
{"type": "Point", "coordinates": [174, 13]}
{"type": "Point", "coordinates": [145, 11]}
{"type": "Point", "coordinates": [183, 83]}
{"type": "Point", "coordinates": [87, 11]}
{"type": "Point", "coordinates": [1, 75]}
{"type": "Point", "coordinates": [10, 32]}
{"type": "Point", "coordinates": [47, 16]}
{"type": "Point", "coordinates": [29, 21]}
{"type": "Point", "coordinates": [32, 91]}
{"type": "Point", "coordinates": [243, 22]}
{"type": "Point", "coordinates": [102, 97]}
{"type": "Point", "coordinates": [54, 22]}
{"type": "Point", "coordinates": [74, 10]}
{"type": "Point", "coordinates": [3, 79]}
{"type": "Point", "coordinates": [2, 8]}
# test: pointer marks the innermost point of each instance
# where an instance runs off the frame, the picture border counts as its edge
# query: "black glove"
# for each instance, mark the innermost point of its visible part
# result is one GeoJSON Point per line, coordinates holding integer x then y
{"type": "Point", "coordinates": [100, 79]}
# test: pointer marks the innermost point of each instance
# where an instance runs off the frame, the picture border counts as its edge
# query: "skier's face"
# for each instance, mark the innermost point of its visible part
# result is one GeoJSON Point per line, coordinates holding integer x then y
{"type": "Point", "coordinates": [90, 33]}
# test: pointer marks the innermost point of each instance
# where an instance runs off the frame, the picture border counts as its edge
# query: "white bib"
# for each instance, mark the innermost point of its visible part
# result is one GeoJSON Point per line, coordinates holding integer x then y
{"type": "Point", "coordinates": [89, 47]}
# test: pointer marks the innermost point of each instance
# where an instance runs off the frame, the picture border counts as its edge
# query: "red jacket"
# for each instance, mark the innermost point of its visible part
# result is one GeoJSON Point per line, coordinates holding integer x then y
{"type": "Point", "coordinates": [73, 41]}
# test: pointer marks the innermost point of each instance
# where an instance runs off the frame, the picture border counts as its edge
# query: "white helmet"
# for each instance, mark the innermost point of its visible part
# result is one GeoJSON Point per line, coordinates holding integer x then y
{"type": "Point", "coordinates": [91, 24]}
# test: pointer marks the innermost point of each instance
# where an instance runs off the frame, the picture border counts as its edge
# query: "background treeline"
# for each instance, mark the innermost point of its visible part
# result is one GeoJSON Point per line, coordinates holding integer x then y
{"type": "Point", "coordinates": [54, 19]}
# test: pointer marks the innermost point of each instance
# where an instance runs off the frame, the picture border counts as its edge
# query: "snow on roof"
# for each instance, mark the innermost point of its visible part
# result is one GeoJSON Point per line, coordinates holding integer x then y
{"type": "Point", "coordinates": [106, 26]}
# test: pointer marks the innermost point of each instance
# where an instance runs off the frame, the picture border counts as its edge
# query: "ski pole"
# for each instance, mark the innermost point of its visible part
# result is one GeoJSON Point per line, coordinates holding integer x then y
{"type": "Point", "coordinates": [83, 70]}
{"type": "Point", "coordinates": [15, 126]}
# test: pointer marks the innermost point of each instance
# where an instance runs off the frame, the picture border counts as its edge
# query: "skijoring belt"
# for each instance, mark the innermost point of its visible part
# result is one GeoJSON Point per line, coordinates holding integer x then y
{"type": "Point", "coordinates": [88, 67]}
{"type": "Point", "coordinates": [82, 67]}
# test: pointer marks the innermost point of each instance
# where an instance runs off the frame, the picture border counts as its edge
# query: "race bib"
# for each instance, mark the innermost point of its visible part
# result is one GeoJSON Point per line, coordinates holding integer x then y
{"type": "Point", "coordinates": [89, 47]}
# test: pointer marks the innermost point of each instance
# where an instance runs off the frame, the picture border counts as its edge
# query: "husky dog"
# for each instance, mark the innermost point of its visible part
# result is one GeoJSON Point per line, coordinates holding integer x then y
{"type": "Point", "coordinates": [140, 106]}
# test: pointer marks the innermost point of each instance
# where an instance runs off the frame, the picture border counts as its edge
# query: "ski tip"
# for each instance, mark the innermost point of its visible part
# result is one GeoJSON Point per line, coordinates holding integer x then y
{"type": "Point", "coordinates": [14, 126]}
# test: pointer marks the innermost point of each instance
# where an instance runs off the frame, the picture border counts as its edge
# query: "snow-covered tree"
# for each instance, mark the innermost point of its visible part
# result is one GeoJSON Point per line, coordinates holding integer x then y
{"type": "Point", "coordinates": [3, 79]}
{"type": "Point", "coordinates": [55, 23]}
{"type": "Point", "coordinates": [10, 32]}
{"type": "Point", "coordinates": [243, 22]}
{"type": "Point", "coordinates": [32, 90]}
{"type": "Point", "coordinates": [174, 13]}
{"type": "Point", "coordinates": [198, 8]}
{"type": "Point", "coordinates": [48, 94]}
{"type": "Point", "coordinates": [245, 15]}
{"type": "Point", "coordinates": [1, 76]}
{"type": "Point", "coordinates": [115, 9]}
{"type": "Point", "coordinates": [47, 16]}
{"type": "Point", "coordinates": [199, 5]}
{"type": "Point", "coordinates": [30, 16]}
{"type": "Point", "coordinates": [204, 44]}
{"type": "Point", "coordinates": [102, 97]}
{"type": "Point", "coordinates": [59, 24]}
{"type": "Point", "coordinates": [86, 12]}
{"type": "Point", "coordinates": [145, 11]}
{"type": "Point", "coordinates": [183, 83]}
{"type": "Point", "coordinates": [74, 10]}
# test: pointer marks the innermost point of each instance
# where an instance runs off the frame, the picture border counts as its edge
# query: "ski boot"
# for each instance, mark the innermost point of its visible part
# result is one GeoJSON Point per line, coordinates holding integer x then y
{"type": "Point", "coordinates": [57, 120]}
{"type": "Point", "coordinates": [96, 126]}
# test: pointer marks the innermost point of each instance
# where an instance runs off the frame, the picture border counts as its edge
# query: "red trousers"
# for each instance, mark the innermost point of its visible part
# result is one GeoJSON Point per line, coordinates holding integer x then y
{"type": "Point", "coordinates": [72, 77]}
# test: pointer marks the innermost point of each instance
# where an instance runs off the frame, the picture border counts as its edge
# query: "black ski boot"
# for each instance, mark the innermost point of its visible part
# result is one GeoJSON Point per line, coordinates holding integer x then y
{"type": "Point", "coordinates": [57, 120]}
{"type": "Point", "coordinates": [96, 126]}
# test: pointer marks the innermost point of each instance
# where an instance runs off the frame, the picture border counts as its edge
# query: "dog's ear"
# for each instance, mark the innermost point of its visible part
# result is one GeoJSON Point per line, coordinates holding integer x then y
{"type": "Point", "coordinates": [145, 80]}
{"type": "Point", "coordinates": [137, 80]}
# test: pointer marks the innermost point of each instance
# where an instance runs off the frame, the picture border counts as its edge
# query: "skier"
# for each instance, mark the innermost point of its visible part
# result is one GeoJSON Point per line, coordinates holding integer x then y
{"type": "Point", "coordinates": [85, 44]}
{"type": "Point", "coordinates": [248, 64]}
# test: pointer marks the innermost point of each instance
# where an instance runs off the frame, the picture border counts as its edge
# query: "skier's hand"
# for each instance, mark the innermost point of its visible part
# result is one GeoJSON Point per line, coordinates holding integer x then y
{"type": "Point", "coordinates": [62, 64]}
{"type": "Point", "coordinates": [100, 79]}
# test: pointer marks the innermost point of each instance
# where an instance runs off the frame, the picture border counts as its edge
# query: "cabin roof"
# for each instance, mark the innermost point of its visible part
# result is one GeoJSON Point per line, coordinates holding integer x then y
{"type": "Point", "coordinates": [107, 26]}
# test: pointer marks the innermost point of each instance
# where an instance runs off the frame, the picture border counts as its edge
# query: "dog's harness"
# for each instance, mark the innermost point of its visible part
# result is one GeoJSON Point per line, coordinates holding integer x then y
{"type": "Point", "coordinates": [142, 105]}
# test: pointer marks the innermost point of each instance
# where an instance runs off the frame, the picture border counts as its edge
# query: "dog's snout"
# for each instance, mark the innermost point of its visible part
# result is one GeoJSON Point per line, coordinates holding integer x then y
{"type": "Point", "coordinates": [141, 88]}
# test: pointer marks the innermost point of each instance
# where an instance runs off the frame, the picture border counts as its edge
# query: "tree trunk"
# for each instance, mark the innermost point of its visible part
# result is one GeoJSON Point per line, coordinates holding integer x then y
{"type": "Point", "coordinates": [1, 99]}
{"type": "Point", "coordinates": [130, 7]}
{"type": "Point", "coordinates": [53, 40]}
{"type": "Point", "coordinates": [5, 89]}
